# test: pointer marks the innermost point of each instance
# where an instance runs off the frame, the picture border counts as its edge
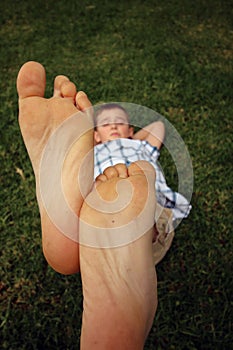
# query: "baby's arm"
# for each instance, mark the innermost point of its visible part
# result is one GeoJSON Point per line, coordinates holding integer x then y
{"type": "Point", "coordinates": [153, 133]}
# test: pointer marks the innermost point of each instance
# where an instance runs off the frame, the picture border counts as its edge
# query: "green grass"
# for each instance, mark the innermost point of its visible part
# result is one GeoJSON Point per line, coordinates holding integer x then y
{"type": "Point", "coordinates": [175, 57]}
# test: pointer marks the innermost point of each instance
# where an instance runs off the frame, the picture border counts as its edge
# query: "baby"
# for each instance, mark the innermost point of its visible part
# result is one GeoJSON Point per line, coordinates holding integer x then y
{"type": "Point", "coordinates": [112, 122]}
{"type": "Point", "coordinates": [116, 143]}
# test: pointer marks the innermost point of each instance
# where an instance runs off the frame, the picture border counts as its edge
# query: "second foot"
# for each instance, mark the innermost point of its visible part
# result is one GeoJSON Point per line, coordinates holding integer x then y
{"type": "Point", "coordinates": [119, 280]}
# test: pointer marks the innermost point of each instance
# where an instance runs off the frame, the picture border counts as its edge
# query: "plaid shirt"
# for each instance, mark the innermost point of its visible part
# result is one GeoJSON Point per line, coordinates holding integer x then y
{"type": "Point", "coordinates": [127, 151]}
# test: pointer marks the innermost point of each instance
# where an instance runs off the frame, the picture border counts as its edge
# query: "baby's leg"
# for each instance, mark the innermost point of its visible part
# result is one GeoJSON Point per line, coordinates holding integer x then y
{"type": "Point", "coordinates": [119, 282]}
{"type": "Point", "coordinates": [39, 118]}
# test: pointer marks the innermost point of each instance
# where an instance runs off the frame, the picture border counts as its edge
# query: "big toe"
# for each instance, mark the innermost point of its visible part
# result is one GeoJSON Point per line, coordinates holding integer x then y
{"type": "Point", "coordinates": [31, 80]}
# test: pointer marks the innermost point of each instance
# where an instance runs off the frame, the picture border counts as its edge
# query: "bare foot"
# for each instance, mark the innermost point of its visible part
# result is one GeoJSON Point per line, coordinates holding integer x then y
{"type": "Point", "coordinates": [119, 282]}
{"type": "Point", "coordinates": [39, 119]}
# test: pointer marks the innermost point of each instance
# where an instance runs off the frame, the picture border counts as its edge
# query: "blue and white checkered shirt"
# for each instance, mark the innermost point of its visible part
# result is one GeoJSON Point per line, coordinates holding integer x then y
{"type": "Point", "coordinates": [127, 151]}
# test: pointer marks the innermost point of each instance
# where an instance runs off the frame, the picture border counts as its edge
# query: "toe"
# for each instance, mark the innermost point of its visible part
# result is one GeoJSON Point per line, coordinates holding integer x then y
{"type": "Point", "coordinates": [111, 172]}
{"type": "Point", "coordinates": [82, 101]}
{"type": "Point", "coordinates": [141, 167]}
{"type": "Point", "coordinates": [31, 80]}
{"type": "Point", "coordinates": [122, 170]}
{"type": "Point", "coordinates": [100, 178]}
{"type": "Point", "coordinates": [68, 89]}
{"type": "Point", "coordinates": [58, 81]}
{"type": "Point", "coordinates": [63, 87]}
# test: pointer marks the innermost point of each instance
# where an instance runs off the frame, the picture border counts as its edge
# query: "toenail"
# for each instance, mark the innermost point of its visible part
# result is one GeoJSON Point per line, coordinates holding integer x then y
{"type": "Point", "coordinates": [81, 93]}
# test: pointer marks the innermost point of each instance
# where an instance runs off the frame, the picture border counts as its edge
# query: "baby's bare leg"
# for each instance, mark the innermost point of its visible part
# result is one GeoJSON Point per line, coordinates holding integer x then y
{"type": "Point", "coordinates": [39, 118]}
{"type": "Point", "coordinates": [119, 282]}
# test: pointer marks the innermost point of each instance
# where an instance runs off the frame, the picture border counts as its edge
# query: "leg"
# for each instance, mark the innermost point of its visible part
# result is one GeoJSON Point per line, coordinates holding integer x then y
{"type": "Point", "coordinates": [119, 283]}
{"type": "Point", "coordinates": [38, 119]}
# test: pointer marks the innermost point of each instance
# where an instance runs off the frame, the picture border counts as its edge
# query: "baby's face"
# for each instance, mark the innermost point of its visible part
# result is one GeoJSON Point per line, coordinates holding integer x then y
{"type": "Point", "coordinates": [112, 124]}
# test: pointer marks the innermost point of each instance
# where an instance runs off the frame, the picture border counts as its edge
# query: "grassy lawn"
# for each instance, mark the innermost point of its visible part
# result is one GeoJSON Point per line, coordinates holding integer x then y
{"type": "Point", "coordinates": [175, 57]}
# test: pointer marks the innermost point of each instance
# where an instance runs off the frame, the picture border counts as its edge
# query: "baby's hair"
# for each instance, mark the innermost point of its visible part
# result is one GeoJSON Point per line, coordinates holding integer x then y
{"type": "Point", "coordinates": [108, 106]}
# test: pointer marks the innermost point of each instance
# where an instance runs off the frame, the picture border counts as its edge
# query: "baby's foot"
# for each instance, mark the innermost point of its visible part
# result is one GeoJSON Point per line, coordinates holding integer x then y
{"type": "Point", "coordinates": [119, 281]}
{"type": "Point", "coordinates": [39, 119]}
